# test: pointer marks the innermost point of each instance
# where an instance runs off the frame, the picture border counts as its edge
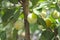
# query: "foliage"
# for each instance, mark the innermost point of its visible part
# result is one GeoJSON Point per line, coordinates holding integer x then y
{"type": "Point", "coordinates": [11, 11]}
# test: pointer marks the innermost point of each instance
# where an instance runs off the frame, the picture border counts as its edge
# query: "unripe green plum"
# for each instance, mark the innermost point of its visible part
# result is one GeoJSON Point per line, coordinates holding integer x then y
{"type": "Point", "coordinates": [40, 27]}
{"type": "Point", "coordinates": [32, 18]}
{"type": "Point", "coordinates": [43, 14]}
{"type": "Point", "coordinates": [55, 14]}
{"type": "Point", "coordinates": [48, 22]}
{"type": "Point", "coordinates": [19, 24]}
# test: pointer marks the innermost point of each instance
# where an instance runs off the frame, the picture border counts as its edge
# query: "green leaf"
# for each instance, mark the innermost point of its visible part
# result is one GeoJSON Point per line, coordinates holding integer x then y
{"type": "Point", "coordinates": [2, 12]}
{"type": "Point", "coordinates": [59, 31]}
{"type": "Point", "coordinates": [33, 27]}
{"type": "Point", "coordinates": [52, 19]}
{"type": "Point", "coordinates": [43, 4]}
{"type": "Point", "coordinates": [15, 16]}
{"type": "Point", "coordinates": [41, 21]}
{"type": "Point", "coordinates": [1, 3]}
{"type": "Point", "coordinates": [42, 1]}
{"type": "Point", "coordinates": [34, 2]}
{"type": "Point", "coordinates": [37, 10]}
{"type": "Point", "coordinates": [57, 7]}
{"type": "Point", "coordinates": [59, 19]}
{"type": "Point", "coordinates": [47, 35]}
{"type": "Point", "coordinates": [15, 34]}
{"type": "Point", "coordinates": [3, 35]}
{"type": "Point", "coordinates": [8, 13]}
{"type": "Point", "coordinates": [21, 15]}
{"type": "Point", "coordinates": [14, 1]}
{"type": "Point", "coordinates": [51, 5]}
{"type": "Point", "coordinates": [54, 6]}
{"type": "Point", "coordinates": [1, 0]}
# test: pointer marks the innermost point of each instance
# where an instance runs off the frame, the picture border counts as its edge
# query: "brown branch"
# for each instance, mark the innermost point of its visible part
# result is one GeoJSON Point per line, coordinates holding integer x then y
{"type": "Point", "coordinates": [25, 4]}
{"type": "Point", "coordinates": [55, 34]}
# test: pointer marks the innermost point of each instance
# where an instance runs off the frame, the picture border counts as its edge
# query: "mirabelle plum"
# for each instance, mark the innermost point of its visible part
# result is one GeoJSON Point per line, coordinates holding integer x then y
{"type": "Point", "coordinates": [32, 18]}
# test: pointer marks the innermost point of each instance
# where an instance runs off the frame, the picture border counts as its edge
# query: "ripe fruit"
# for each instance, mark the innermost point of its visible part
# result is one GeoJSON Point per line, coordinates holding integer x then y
{"type": "Point", "coordinates": [48, 22]}
{"type": "Point", "coordinates": [19, 24]}
{"type": "Point", "coordinates": [32, 18]}
{"type": "Point", "coordinates": [55, 14]}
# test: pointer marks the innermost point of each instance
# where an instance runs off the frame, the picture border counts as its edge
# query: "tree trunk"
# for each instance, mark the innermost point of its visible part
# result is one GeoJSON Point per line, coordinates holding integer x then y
{"type": "Point", "coordinates": [25, 4]}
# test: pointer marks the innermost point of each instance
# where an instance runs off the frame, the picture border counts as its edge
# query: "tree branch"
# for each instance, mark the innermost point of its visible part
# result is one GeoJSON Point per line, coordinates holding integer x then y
{"type": "Point", "coordinates": [25, 4]}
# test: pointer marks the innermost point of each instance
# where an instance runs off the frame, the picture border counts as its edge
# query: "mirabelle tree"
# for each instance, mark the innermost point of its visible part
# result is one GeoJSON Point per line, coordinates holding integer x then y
{"type": "Point", "coordinates": [30, 19]}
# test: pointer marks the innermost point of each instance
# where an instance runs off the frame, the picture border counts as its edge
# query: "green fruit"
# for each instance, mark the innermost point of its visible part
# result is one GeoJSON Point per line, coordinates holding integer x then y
{"type": "Point", "coordinates": [55, 14]}
{"type": "Point", "coordinates": [43, 14]}
{"type": "Point", "coordinates": [40, 27]}
{"type": "Point", "coordinates": [48, 22]}
{"type": "Point", "coordinates": [32, 18]}
{"type": "Point", "coordinates": [19, 24]}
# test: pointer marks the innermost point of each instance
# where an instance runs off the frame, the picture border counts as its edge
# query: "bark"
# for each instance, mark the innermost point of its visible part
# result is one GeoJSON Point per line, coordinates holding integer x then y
{"type": "Point", "coordinates": [56, 33]}
{"type": "Point", "coordinates": [25, 4]}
